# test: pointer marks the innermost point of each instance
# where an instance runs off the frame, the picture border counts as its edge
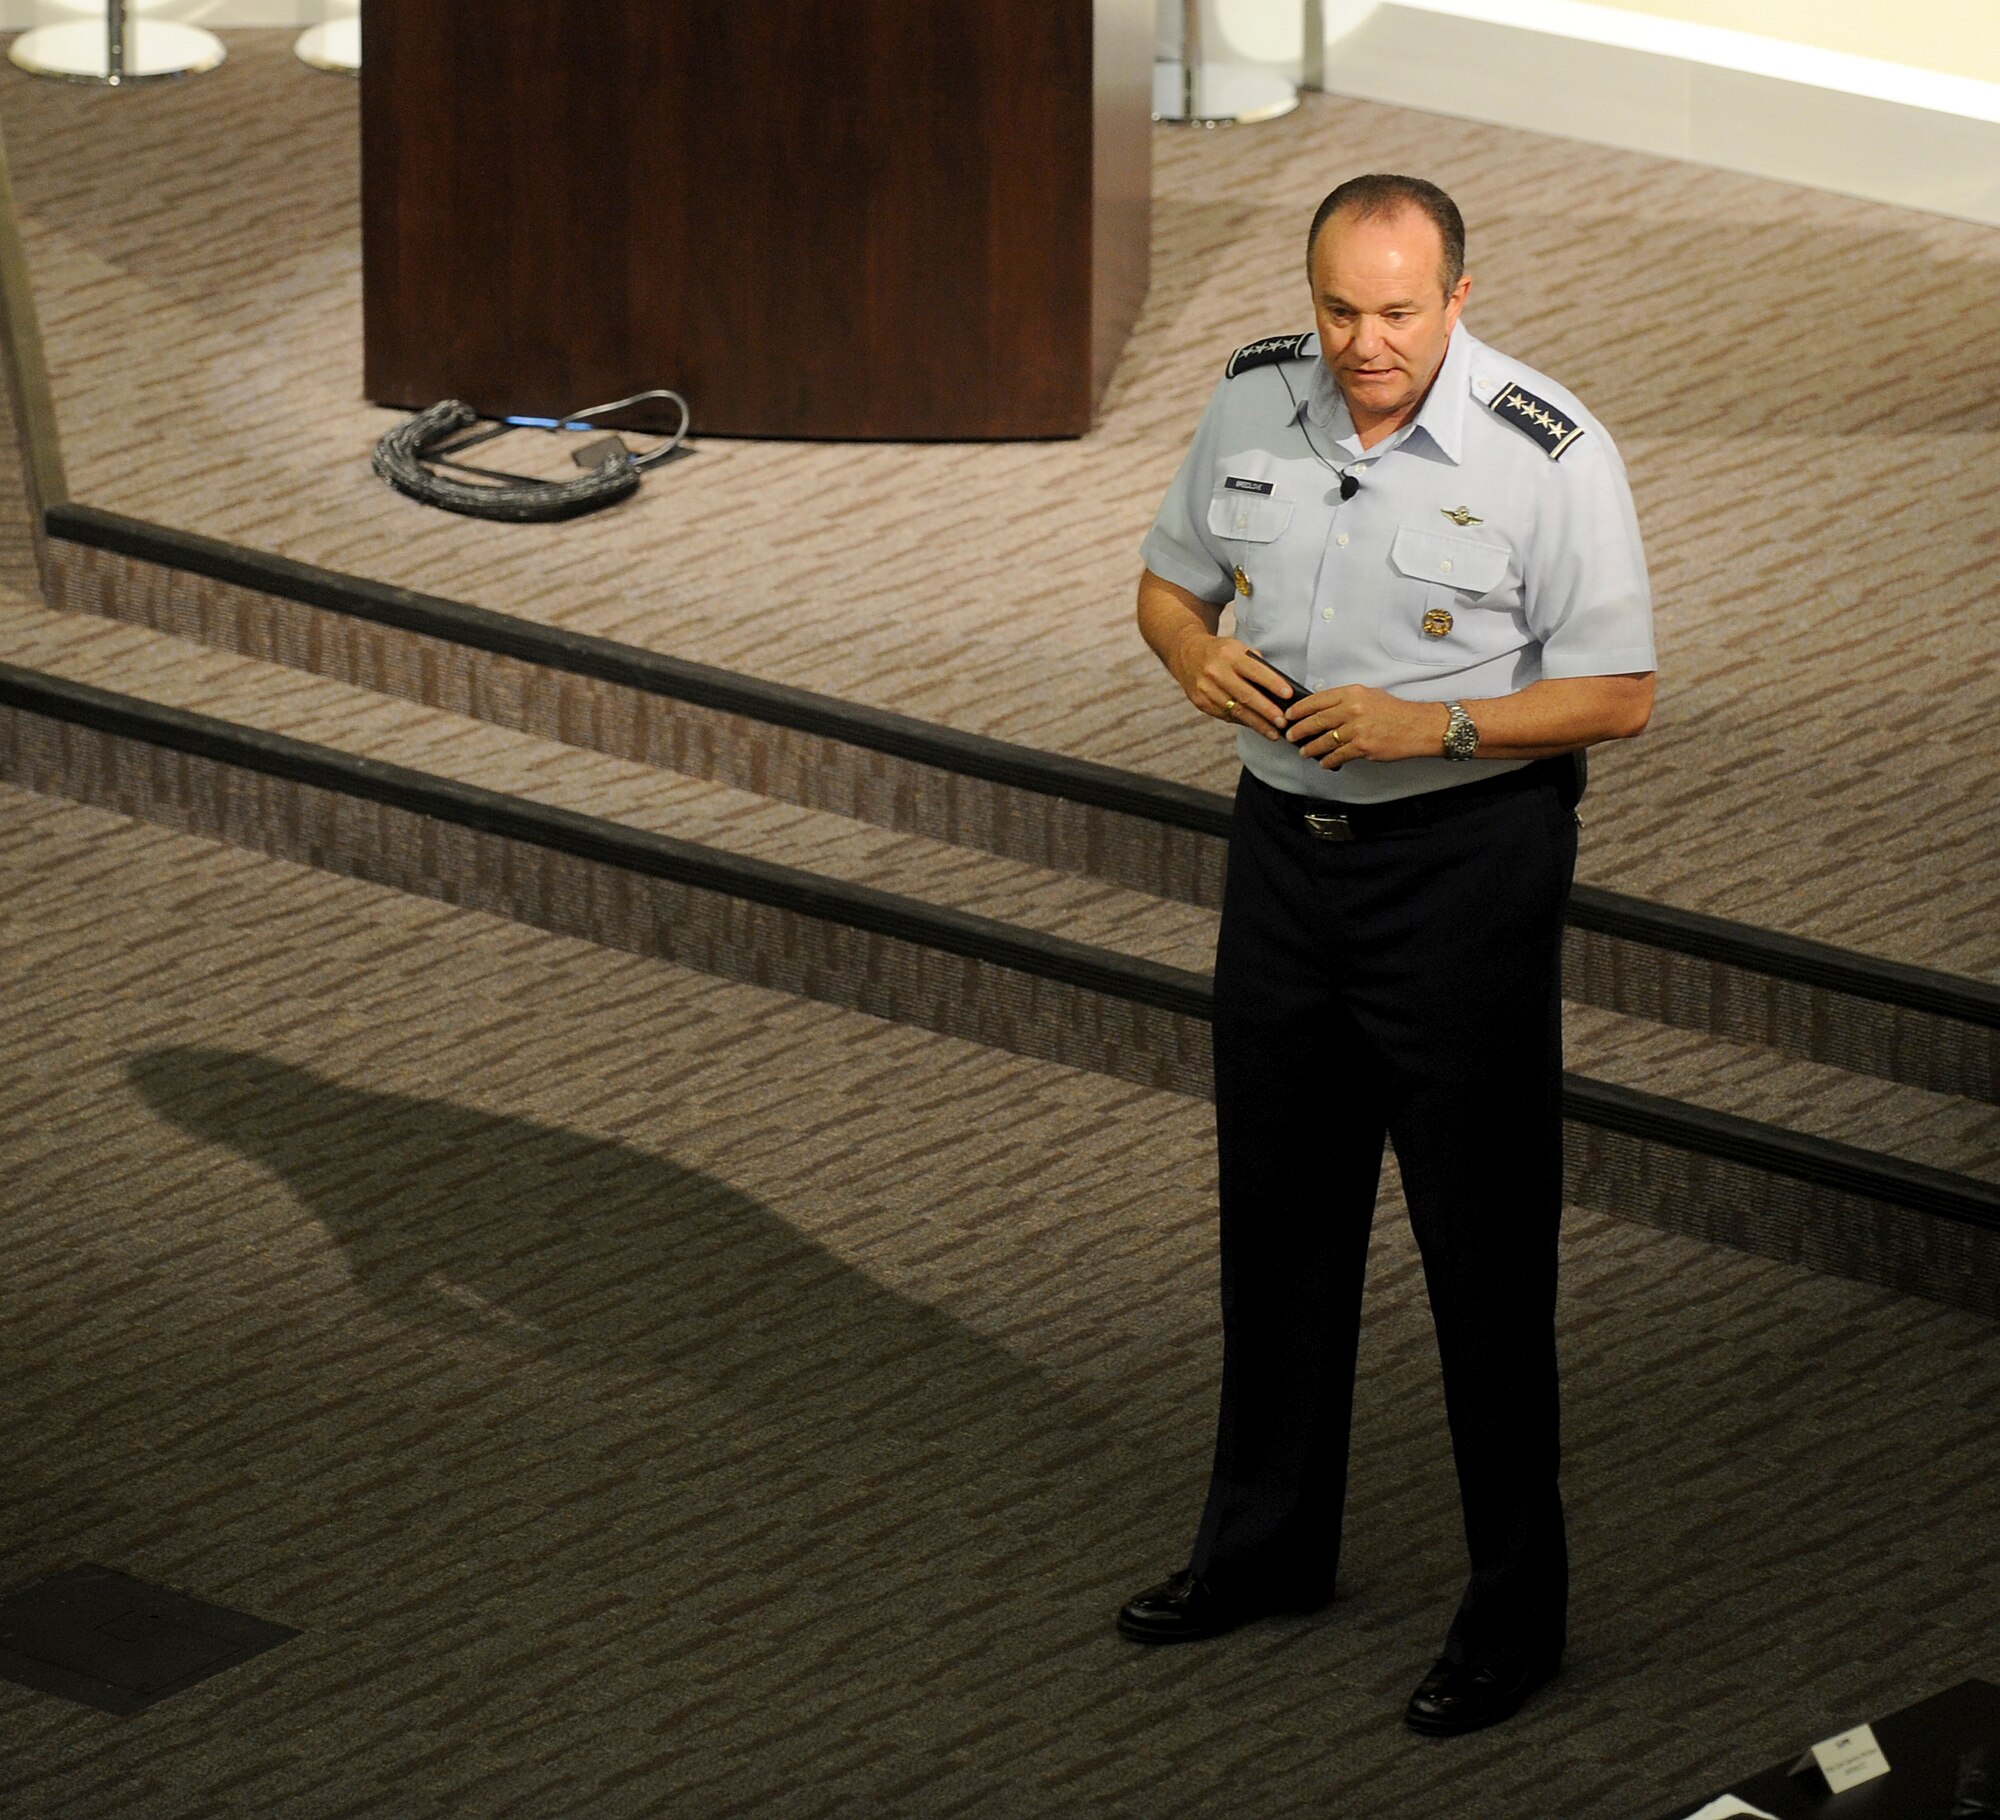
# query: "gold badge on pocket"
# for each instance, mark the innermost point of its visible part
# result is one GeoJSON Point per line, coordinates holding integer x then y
{"type": "Point", "coordinates": [1242, 582]}
{"type": "Point", "coordinates": [1437, 622]}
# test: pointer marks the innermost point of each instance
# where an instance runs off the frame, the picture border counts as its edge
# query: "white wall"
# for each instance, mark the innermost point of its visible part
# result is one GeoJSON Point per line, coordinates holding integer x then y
{"type": "Point", "coordinates": [1660, 76]}
{"type": "Point", "coordinates": [1954, 37]}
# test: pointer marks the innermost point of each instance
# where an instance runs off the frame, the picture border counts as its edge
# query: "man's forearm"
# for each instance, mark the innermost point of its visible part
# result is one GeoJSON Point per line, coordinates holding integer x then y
{"type": "Point", "coordinates": [1339, 725]}
{"type": "Point", "coordinates": [1168, 616]}
{"type": "Point", "coordinates": [1559, 714]}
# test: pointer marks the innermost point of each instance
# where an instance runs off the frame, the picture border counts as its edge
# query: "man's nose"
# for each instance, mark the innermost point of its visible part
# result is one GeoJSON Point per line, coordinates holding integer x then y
{"type": "Point", "coordinates": [1367, 338]}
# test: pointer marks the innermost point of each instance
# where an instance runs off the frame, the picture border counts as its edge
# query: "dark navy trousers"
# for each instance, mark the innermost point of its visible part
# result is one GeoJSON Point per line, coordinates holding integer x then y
{"type": "Point", "coordinates": [1405, 984]}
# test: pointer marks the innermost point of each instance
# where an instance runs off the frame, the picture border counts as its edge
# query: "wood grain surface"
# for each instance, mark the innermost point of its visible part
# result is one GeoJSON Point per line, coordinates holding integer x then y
{"type": "Point", "coordinates": [812, 218]}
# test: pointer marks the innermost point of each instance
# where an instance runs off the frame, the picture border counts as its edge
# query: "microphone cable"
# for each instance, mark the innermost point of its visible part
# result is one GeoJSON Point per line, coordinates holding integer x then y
{"type": "Point", "coordinates": [1350, 484]}
{"type": "Point", "coordinates": [411, 454]}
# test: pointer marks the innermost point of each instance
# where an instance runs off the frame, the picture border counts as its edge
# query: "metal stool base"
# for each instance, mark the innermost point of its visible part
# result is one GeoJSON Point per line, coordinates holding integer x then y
{"type": "Point", "coordinates": [79, 52]}
{"type": "Point", "coordinates": [1224, 94]}
{"type": "Point", "coordinates": [335, 46]}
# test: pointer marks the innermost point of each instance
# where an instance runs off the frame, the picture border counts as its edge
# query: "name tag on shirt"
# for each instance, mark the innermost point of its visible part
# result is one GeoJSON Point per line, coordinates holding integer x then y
{"type": "Point", "coordinates": [1247, 486]}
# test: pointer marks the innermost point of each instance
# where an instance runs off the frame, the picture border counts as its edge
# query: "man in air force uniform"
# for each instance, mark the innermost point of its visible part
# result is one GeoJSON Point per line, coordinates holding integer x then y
{"type": "Point", "coordinates": [1437, 544]}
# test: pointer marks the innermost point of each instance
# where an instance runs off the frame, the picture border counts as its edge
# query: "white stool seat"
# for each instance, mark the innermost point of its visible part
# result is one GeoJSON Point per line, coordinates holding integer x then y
{"type": "Point", "coordinates": [116, 50]}
{"type": "Point", "coordinates": [335, 46]}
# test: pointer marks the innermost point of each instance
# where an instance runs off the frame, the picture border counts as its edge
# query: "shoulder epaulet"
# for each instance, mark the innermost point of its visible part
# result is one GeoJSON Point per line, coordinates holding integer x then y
{"type": "Point", "coordinates": [1268, 352]}
{"type": "Point", "coordinates": [1535, 417]}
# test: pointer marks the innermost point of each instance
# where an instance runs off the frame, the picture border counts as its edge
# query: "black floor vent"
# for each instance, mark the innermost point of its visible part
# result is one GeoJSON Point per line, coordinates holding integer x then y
{"type": "Point", "coordinates": [104, 1639]}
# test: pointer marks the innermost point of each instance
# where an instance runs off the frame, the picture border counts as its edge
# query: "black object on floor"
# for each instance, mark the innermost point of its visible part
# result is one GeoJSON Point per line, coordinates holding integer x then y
{"type": "Point", "coordinates": [1926, 1745]}
{"type": "Point", "coordinates": [1978, 1786]}
{"type": "Point", "coordinates": [104, 1639]}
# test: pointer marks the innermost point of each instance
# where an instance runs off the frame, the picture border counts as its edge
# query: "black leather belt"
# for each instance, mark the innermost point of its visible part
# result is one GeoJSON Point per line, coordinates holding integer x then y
{"type": "Point", "coordinates": [1359, 821]}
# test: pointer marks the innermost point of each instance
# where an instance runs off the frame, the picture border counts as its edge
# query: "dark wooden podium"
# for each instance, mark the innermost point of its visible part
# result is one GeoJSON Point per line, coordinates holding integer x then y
{"type": "Point", "coordinates": [820, 218]}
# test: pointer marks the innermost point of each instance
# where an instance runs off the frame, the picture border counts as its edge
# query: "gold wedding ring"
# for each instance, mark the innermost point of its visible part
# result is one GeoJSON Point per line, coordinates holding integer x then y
{"type": "Point", "coordinates": [1336, 736]}
{"type": "Point", "coordinates": [1229, 707]}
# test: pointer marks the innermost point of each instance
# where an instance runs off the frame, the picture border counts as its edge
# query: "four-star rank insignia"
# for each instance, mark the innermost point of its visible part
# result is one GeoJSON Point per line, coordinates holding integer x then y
{"type": "Point", "coordinates": [1268, 352]}
{"type": "Point", "coordinates": [1535, 417]}
{"type": "Point", "coordinates": [1437, 622]}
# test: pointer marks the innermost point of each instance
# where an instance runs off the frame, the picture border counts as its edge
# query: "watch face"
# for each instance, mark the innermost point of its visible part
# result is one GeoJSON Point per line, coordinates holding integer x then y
{"type": "Point", "coordinates": [1461, 738]}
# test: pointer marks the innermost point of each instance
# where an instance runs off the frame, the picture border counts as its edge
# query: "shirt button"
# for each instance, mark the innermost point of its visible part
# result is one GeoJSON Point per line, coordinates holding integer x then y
{"type": "Point", "coordinates": [1326, 612]}
{"type": "Point", "coordinates": [1445, 564]}
{"type": "Point", "coordinates": [1342, 538]}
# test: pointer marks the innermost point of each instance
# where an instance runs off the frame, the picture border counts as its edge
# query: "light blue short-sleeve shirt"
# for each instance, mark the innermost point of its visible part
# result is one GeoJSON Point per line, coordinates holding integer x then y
{"type": "Point", "coordinates": [1478, 554]}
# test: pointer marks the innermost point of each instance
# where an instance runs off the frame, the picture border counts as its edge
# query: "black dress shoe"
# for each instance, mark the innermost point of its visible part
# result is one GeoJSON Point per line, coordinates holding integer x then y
{"type": "Point", "coordinates": [1186, 1609]}
{"type": "Point", "coordinates": [1463, 1696]}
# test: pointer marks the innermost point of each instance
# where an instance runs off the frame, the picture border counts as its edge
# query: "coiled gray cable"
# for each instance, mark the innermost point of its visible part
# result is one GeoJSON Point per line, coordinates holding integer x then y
{"type": "Point", "coordinates": [407, 458]}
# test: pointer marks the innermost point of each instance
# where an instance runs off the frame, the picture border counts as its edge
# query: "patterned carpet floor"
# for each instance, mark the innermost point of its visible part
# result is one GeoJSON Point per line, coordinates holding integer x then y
{"type": "Point", "coordinates": [652, 1396]}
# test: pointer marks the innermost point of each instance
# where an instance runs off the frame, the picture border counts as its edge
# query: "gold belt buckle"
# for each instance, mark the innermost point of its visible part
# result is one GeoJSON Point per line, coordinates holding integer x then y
{"type": "Point", "coordinates": [1326, 825]}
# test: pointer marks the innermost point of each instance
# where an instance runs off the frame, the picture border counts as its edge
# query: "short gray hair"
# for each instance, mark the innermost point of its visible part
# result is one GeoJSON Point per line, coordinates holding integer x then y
{"type": "Point", "coordinates": [1379, 194]}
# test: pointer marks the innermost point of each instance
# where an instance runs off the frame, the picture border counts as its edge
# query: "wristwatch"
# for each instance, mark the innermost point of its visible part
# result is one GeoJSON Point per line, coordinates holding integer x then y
{"type": "Point", "coordinates": [1461, 737]}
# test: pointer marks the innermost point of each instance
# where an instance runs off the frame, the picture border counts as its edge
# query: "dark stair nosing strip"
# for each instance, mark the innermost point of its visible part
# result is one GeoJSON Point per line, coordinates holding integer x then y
{"type": "Point", "coordinates": [1788, 957]}
{"type": "Point", "coordinates": [1770, 1148]}
{"type": "Point", "coordinates": [592, 838]}
{"type": "Point", "coordinates": [1694, 933]}
{"type": "Point", "coordinates": [1965, 1200]}
{"type": "Point", "coordinates": [653, 672]}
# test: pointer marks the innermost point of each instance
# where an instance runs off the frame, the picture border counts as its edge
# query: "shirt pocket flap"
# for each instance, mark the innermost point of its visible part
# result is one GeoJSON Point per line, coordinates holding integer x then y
{"type": "Point", "coordinates": [1452, 562]}
{"type": "Point", "coordinates": [1248, 517]}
